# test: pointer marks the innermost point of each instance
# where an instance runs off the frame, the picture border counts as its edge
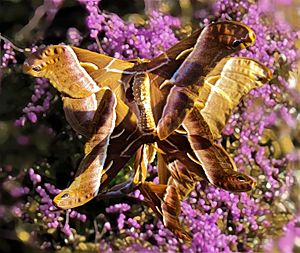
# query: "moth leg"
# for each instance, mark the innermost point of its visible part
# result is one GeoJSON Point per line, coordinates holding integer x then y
{"type": "Point", "coordinates": [140, 165]}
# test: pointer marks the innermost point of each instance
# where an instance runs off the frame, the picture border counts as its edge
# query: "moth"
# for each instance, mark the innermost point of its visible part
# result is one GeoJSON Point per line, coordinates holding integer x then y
{"type": "Point", "coordinates": [215, 42]}
{"type": "Point", "coordinates": [223, 89]}
{"type": "Point", "coordinates": [164, 105]}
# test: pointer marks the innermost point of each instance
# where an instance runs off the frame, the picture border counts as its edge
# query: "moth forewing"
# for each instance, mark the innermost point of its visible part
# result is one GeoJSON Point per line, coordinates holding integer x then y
{"type": "Point", "coordinates": [110, 72]}
{"type": "Point", "coordinates": [220, 169]}
{"type": "Point", "coordinates": [61, 66]}
{"type": "Point", "coordinates": [179, 103]}
{"type": "Point", "coordinates": [217, 164]}
{"type": "Point", "coordinates": [104, 120]}
{"type": "Point", "coordinates": [88, 177]}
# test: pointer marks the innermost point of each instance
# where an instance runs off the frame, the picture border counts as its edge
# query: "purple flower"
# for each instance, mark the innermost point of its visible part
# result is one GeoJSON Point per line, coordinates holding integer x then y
{"type": "Point", "coordinates": [40, 103]}
{"type": "Point", "coordinates": [9, 55]}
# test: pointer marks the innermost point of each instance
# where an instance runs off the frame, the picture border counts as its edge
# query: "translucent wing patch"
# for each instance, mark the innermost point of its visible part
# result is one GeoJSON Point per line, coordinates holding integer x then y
{"type": "Point", "coordinates": [226, 85]}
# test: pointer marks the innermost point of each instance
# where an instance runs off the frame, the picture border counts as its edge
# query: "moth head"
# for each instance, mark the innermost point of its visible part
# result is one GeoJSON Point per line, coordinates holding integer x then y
{"type": "Point", "coordinates": [39, 62]}
{"type": "Point", "coordinates": [71, 198]}
{"type": "Point", "coordinates": [231, 35]}
{"type": "Point", "coordinates": [236, 182]}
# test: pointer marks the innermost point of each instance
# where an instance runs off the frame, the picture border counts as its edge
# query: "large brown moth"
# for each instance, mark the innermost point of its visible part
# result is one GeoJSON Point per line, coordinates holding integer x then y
{"type": "Point", "coordinates": [216, 41]}
{"type": "Point", "coordinates": [154, 98]}
{"type": "Point", "coordinates": [233, 78]}
{"type": "Point", "coordinates": [105, 71]}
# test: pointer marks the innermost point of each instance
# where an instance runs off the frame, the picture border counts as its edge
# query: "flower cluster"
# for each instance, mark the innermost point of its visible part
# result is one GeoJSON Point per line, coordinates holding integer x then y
{"type": "Point", "coordinates": [51, 217]}
{"type": "Point", "coordinates": [9, 55]}
{"type": "Point", "coordinates": [129, 40]}
{"type": "Point", "coordinates": [40, 103]}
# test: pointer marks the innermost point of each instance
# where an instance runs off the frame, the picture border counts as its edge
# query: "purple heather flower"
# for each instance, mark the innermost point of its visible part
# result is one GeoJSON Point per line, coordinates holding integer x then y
{"type": "Point", "coordinates": [9, 55]}
{"type": "Point", "coordinates": [40, 102]}
{"type": "Point", "coordinates": [35, 178]}
{"type": "Point", "coordinates": [118, 208]}
{"type": "Point", "coordinates": [17, 211]}
{"type": "Point", "coordinates": [67, 230]}
{"type": "Point", "coordinates": [107, 226]}
{"type": "Point", "coordinates": [121, 221]}
{"type": "Point", "coordinates": [74, 36]}
{"type": "Point", "coordinates": [126, 40]}
{"type": "Point", "coordinates": [52, 216]}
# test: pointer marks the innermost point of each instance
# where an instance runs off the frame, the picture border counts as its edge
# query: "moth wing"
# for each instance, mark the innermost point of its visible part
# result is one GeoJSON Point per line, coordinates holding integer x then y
{"type": "Point", "coordinates": [153, 194]}
{"type": "Point", "coordinates": [101, 128]}
{"type": "Point", "coordinates": [79, 112]}
{"type": "Point", "coordinates": [162, 68]}
{"type": "Point", "coordinates": [171, 209]}
{"type": "Point", "coordinates": [162, 169]}
{"type": "Point", "coordinates": [226, 85]}
{"type": "Point", "coordinates": [106, 70]}
{"type": "Point", "coordinates": [87, 179]}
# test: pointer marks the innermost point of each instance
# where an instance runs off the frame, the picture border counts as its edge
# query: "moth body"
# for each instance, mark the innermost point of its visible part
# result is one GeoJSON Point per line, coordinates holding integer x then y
{"type": "Point", "coordinates": [141, 92]}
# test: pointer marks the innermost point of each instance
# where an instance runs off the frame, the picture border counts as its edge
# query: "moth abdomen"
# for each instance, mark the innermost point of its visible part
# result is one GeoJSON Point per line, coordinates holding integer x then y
{"type": "Point", "coordinates": [141, 93]}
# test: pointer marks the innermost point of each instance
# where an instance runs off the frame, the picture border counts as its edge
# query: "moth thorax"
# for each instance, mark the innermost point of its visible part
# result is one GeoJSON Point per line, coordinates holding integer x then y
{"type": "Point", "coordinates": [142, 97]}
